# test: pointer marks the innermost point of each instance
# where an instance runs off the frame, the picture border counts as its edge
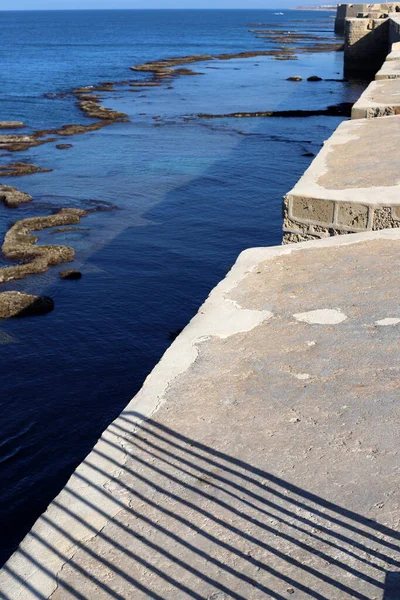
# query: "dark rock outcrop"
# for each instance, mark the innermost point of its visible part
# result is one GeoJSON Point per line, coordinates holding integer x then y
{"type": "Point", "coordinates": [17, 304]}
{"type": "Point", "coordinates": [336, 110]}
{"type": "Point", "coordinates": [70, 274]}
{"type": "Point", "coordinates": [17, 169]}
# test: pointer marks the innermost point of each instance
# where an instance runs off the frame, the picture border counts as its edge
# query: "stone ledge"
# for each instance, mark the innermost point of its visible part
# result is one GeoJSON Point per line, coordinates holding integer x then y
{"type": "Point", "coordinates": [343, 191]}
{"type": "Point", "coordinates": [380, 99]}
{"type": "Point", "coordinates": [389, 70]}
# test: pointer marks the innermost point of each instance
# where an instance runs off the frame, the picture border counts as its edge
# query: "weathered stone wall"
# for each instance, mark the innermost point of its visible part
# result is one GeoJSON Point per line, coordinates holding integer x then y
{"type": "Point", "coordinates": [366, 46]}
{"type": "Point", "coordinates": [346, 11]}
{"type": "Point", "coordinates": [351, 11]}
{"type": "Point", "coordinates": [313, 218]}
{"type": "Point", "coordinates": [394, 29]}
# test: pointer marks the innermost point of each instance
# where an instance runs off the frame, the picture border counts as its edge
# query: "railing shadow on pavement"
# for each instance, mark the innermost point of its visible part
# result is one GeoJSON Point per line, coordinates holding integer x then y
{"type": "Point", "coordinates": [192, 512]}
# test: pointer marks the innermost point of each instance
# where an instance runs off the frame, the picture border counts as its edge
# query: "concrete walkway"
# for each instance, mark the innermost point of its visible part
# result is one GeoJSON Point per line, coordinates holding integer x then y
{"type": "Point", "coordinates": [268, 462]}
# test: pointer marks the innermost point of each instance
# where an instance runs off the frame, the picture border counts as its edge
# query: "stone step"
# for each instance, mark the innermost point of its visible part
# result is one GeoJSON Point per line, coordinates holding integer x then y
{"type": "Point", "coordinates": [389, 70]}
{"type": "Point", "coordinates": [352, 185]}
{"type": "Point", "coordinates": [380, 99]}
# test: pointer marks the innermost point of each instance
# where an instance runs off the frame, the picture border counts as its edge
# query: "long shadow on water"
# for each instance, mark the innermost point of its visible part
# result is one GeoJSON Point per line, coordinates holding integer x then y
{"type": "Point", "coordinates": [153, 280]}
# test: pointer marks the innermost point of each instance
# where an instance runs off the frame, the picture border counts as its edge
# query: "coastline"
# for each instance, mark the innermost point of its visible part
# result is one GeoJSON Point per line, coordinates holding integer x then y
{"type": "Point", "coordinates": [55, 190]}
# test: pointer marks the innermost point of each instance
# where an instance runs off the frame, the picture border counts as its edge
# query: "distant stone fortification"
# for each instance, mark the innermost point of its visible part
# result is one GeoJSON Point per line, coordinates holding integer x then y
{"type": "Point", "coordinates": [352, 11]}
{"type": "Point", "coordinates": [343, 191]}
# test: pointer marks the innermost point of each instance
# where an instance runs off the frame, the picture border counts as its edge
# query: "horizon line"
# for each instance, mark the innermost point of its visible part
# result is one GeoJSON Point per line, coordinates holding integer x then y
{"type": "Point", "coordinates": [2, 10]}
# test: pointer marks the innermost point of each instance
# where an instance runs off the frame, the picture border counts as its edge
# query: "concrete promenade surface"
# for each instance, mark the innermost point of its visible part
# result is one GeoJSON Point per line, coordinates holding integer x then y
{"type": "Point", "coordinates": [267, 465]}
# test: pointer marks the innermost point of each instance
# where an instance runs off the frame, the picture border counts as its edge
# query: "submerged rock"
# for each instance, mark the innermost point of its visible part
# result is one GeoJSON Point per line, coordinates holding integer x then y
{"type": "Point", "coordinates": [11, 125]}
{"type": "Point", "coordinates": [17, 304]}
{"type": "Point", "coordinates": [70, 274]}
{"type": "Point", "coordinates": [15, 143]}
{"type": "Point", "coordinates": [314, 78]}
{"type": "Point", "coordinates": [94, 110]}
{"type": "Point", "coordinates": [335, 110]}
{"type": "Point", "coordinates": [18, 169]}
{"type": "Point", "coordinates": [12, 197]}
{"type": "Point", "coordinates": [63, 146]}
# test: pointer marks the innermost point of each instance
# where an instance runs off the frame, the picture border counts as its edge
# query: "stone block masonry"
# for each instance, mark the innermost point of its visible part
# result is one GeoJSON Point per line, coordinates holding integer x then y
{"type": "Point", "coordinates": [366, 46]}
{"type": "Point", "coordinates": [343, 191]}
{"type": "Point", "coordinates": [349, 11]}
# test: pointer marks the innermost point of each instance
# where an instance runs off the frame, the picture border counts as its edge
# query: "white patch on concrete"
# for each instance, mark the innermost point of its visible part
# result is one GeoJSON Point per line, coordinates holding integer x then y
{"type": "Point", "coordinates": [218, 317]}
{"type": "Point", "coordinates": [324, 316]}
{"type": "Point", "coordinates": [388, 321]}
{"type": "Point", "coordinates": [302, 376]}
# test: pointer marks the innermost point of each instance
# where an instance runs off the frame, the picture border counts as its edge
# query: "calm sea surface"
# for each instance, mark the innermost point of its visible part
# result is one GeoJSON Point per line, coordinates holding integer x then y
{"type": "Point", "coordinates": [191, 194]}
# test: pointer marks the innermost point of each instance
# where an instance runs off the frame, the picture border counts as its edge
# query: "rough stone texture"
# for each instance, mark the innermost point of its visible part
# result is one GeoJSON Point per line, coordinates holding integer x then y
{"type": "Point", "coordinates": [348, 11]}
{"type": "Point", "coordinates": [366, 46]}
{"type": "Point", "coordinates": [308, 209]}
{"type": "Point", "coordinates": [17, 304]}
{"type": "Point", "coordinates": [12, 197]}
{"type": "Point", "coordinates": [385, 217]}
{"type": "Point", "coordinates": [343, 191]}
{"type": "Point", "coordinates": [267, 467]}
{"type": "Point", "coordinates": [380, 99]}
{"type": "Point", "coordinates": [19, 244]}
{"type": "Point", "coordinates": [352, 215]}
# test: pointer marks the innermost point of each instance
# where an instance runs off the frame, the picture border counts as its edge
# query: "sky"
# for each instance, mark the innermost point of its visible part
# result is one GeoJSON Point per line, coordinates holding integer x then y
{"type": "Point", "coordinates": [104, 4]}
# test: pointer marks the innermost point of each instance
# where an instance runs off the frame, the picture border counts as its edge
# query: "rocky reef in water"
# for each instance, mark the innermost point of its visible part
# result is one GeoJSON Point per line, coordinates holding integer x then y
{"type": "Point", "coordinates": [19, 244]}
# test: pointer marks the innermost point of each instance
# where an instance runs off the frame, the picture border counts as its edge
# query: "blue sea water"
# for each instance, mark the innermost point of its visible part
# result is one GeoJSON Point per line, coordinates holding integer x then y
{"type": "Point", "coordinates": [190, 195]}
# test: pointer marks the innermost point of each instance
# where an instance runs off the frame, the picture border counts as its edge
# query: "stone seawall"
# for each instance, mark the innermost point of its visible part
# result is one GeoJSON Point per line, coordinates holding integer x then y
{"type": "Point", "coordinates": [260, 458]}
{"type": "Point", "coordinates": [366, 46]}
{"type": "Point", "coordinates": [343, 191]}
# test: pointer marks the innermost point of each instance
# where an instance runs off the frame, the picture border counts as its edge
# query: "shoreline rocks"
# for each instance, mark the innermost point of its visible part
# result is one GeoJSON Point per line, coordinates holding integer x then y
{"type": "Point", "coordinates": [94, 110]}
{"type": "Point", "coordinates": [12, 197]}
{"type": "Point", "coordinates": [20, 245]}
{"type": "Point", "coordinates": [16, 143]}
{"type": "Point", "coordinates": [18, 169]}
{"type": "Point", "coordinates": [18, 304]}
{"type": "Point", "coordinates": [11, 125]}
